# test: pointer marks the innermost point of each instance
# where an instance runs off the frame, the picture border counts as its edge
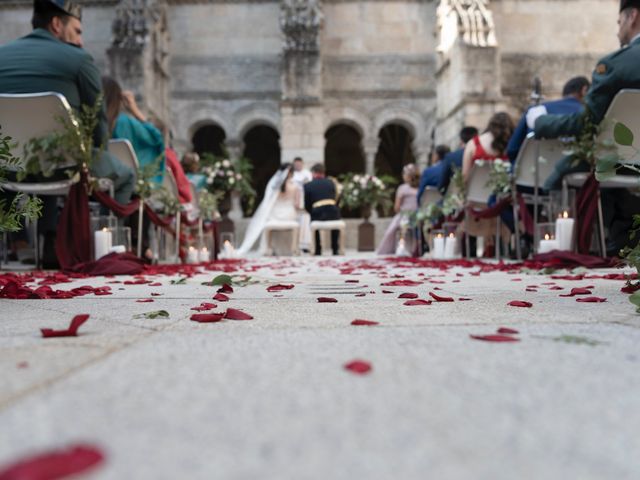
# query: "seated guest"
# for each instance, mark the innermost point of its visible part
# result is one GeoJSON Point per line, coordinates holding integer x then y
{"type": "Point", "coordinates": [454, 159]}
{"type": "Point", "coordinates": [406, 202]}
{"type": "Point", "coordinates": [320, 201]}
{"type": "Point", "coordinates": [173, 164]}
{"type": "Point", "coordinates": [432, 174]}
{"type": "Point", "coordinates": [573, 95]}
{"type": "Point", "coordinates": [615, 72]}
{"type": "Point", "coordinates": [51, 59]}
{"type": "Point", "coordinates": [191, 166]}
{"type": "Point", "coordinates": [128, 122]}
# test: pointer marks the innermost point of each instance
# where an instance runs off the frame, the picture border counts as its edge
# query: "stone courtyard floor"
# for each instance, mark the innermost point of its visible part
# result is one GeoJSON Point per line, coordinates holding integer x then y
{"type": "Point", "coordinates": [269, 398]}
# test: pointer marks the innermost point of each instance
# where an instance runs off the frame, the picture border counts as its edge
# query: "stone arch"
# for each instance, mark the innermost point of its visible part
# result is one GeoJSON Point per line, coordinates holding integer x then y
{"type": "Point", "coordinates": [262, 147]}
{"type": "Point", "coordinates": [351, 117]}
{"type": "Point", "coordinates": [401, 115]}
{"type": "Point", "coordinates": [209, 120]}
{"type": "Point", "coordinates": [256, 114]}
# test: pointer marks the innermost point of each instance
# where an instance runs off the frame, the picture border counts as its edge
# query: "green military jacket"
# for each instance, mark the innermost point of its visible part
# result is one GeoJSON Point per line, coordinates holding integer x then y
{"type": "Point", "coordinates": [39, 62]}
{"type": "Point", "coordinates": [613, 73]}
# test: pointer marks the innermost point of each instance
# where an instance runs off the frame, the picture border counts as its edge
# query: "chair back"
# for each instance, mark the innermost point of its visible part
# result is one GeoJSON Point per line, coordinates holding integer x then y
{"type": "Point", "coordinates": [477, 189]}
{"type": "Point", "coordinates": [430, 195]}
{"type": "Point", "coordinates": [623, 109]}
{"type": "Point", "coordinates": [123, 151]}
{"type": "Point", "coordinates": [29, 116]}
{"type": "Point", "coordinates": [169, 182]}
{"type": "Point", "coordinates": [547, 152]}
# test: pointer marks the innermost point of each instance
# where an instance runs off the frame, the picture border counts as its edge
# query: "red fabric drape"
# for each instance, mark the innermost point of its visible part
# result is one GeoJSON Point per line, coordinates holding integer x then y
{"type": "Point", "coordinates": [111, 264]}
{"type": "Point", "coordinates": [73, 240]}
{"type": "Point", "coordinates": [491, 212]}
{"type": "Point", "coordinates": [587, 206]}
{"type": "Point", "coordinates": [117, 208]}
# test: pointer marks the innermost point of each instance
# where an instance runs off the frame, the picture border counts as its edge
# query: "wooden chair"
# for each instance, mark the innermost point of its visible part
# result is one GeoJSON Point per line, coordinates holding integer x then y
{"type": "Point", "coordinates": [327, 226]}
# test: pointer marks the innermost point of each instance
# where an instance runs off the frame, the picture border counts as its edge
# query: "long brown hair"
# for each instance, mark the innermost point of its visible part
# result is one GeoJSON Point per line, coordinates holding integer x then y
{"type": "Point", "coordinates": [501, 127]}
{"type": "Point", "coordinates": [112, 100]}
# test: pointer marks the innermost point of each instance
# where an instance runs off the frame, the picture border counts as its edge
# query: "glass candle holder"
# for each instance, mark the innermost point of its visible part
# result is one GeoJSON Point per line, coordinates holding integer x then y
{"type": "Point", "coordinates": [546, 232]}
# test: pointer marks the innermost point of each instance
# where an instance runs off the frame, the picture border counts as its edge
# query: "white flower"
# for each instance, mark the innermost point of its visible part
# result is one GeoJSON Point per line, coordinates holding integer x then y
{"type": "Point", "coordinates": [209, 181]}
{"type": "Point", "coordinates": [232, 181]}
{"type": "Point", "coordinates": [229, 173]}
{"type": "Point", "coordinates": [226, 163]}
{"type": "Point", "coordinates": [239, 176]}
{"type": "Point", "coordinates": [355, 192]}
{"type": "Point", "coordinates": [219, 173]}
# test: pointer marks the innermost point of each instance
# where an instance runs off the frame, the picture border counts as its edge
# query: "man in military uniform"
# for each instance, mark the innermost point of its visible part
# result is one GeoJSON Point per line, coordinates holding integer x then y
{"type": "Point", "coordinates": [51, 59]}
{"type": "Point", "coordinates": [613, 73]}
{"type": "Point", "coordinates": [320, 202]}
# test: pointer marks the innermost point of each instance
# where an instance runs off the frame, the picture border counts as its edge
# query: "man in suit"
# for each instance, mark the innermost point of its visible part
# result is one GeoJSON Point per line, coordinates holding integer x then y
{"type": "Point", "coordinates": [320, 202]}
{"type": "Point", "coordinates": [616, 71]}
{"type": "Point", "coordinates": [454, 159]}
{"type": "Point", "coordinates": [431, 175]}
{"type": "Point", "coordinates": [573, 94]}
{"type": "Point", "coordinates": [51, 59]}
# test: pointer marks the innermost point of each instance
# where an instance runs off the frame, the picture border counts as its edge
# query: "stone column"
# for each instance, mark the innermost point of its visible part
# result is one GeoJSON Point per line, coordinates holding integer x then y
{"type": "Point", "coordinates": [301, 79]}
{"type": "Point", "coordinates": [139, 54]}
{"type": "Point", "coordinates": [371, 146]}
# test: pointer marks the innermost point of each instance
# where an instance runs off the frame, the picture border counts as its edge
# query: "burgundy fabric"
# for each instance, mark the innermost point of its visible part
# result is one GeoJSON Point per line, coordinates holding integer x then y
{"type": "Point", "coordinates": [525, 216]}
{"type": "Point", "coordinates": [158, 221]}
{"type": "Point", "coordinates": [111, 264]}
{"type": "Point", "coordinates": [559, 259]}
{"type": "Point", "coordinates": [491, 212]}
{"type": "Point", "coordinates": [184, 186]}
{"type": "Point", "coordinates": [73, 240]}
{"type": "Point", "coordinates": [587, 206]}
{"type": "Point", "coordinates": [117, 208]}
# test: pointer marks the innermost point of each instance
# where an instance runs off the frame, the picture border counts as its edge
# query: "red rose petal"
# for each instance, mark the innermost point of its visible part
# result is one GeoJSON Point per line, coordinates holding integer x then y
{"type": "Point", "coordinates": [577, 291]}
{"type": "Point", "coordinates": [463, 299]}
{"type": "Point", "coordinates": [556, 288]}
{"type": "Point", "coordinates": [207, 317]}
{"type": "Point", "coordinates": [387, 291]}
{"type": "Point", "coordinates": [359, 367]}
{"type": "Point", "coordinates": [401, 283]}
{"type": "Point", "coordinates": [225, 288]}
{"type": "Point", "coordinates": [364, 322]}
{"type": "Point", "coordinates": [507, 331]}
{"type": "Point", "coordinates": [495, 338]}
{"type": "Point", "coordinates": [54, 464]}
{"type": "Point", "coordinates": [221, 297]}
{"type": "Point", "coordinates": [408, 295]}
{"type": "Point", "coordinates": [155, 284]}
{"type": "Point", "coordinates": [233, 314]}
{"type": "Point", "coordinates": [352, 281]}
{"type": "Point", "coordinates": [415, 303]}
{"type": "Point", "coordinates": [327, 300]}
{"type": "Point", "coordinates": [360, 294]}
{"type": "Point", "coordinates": [630, 288]}
{"type": "Point", "coordinates": [145, 300]}
{"type": "Point", "coordinates": [203, 307]}
{"type": "Point", "coordinates": [520, 303]}
{"type": "Point", "coordinates": [156, 294]}
{"type": "Point", "coordinates": [591, 300]}
{"type": "Point", "coordinates": [72, 331]}
{"type": "Point", "coordinates": [438, 298]}
{"type": "Point", "coordinates": [279, 288]}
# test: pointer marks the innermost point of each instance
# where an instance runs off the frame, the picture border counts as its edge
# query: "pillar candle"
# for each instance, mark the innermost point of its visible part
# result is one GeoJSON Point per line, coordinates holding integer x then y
{"type": "Point", "coordinates": [450, 246]}
{"type": "Point", "coordinates": [102, 242]}
{"type": "Point", "coordinates": [564, 232]}
{"type": "Point", "coordinates": [548, 244]}
{"type": "Point", "coordinates": [192, 255]}
{"type": "Point", "coordinates": [438, 247]}
{"type": "Point", "coordinates": [204, 255]}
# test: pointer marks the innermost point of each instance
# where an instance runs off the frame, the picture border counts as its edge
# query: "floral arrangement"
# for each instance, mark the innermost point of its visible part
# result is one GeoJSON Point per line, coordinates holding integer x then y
{"type": "Point", "coordinates": [366, 191]}
{"type": "Point", "coordinates": [226, 176]}
{"type": "Point", "coordinates": [499, 176]}
{"type": "Point", "coordinates": [208, 204]}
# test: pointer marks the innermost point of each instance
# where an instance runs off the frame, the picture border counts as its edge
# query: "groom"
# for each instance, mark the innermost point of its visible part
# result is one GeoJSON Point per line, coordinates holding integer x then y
{"type": "Point", "coordinates": [320, 202]}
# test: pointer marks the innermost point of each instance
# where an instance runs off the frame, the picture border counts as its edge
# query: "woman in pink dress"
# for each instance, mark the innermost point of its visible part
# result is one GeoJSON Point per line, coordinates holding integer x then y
{"type": "Point", "coordinates": [406, 203]}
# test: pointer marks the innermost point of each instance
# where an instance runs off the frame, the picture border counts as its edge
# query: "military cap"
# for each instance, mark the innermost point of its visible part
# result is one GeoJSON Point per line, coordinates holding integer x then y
{"type": "Point", "coordinates": [629, 3]}
{"type": "Point", "coordinates": [65, 6]}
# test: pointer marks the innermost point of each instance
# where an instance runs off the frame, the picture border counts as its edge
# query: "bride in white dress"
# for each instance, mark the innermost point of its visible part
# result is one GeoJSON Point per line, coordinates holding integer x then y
{"type": "Point", "coordinates": [281, 202]}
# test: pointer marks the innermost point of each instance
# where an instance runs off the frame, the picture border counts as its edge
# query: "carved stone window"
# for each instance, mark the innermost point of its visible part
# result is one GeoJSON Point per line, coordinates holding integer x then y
{"type": "Point", "coordinates": [470, 20]}
{"type": "Point", "coordinates": [300, 21]}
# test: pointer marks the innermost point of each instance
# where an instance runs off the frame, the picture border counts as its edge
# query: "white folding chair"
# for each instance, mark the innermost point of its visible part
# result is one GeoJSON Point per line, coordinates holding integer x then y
{"type": "Point", "coordinates": [24, 117]}
{"type": "Point", "coordinates": [623, 109]}
{"type": "Point", "coordinates": [535, 162]}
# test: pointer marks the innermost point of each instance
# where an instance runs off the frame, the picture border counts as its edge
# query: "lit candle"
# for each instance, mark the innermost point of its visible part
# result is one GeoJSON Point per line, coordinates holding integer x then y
{"type": "Point", "coordinates": [118, 249]}
{"type": "Point", "coordinates": [401, 250]}
{"type": "Point", "coordinates": [564, 231]}
{"type": "Point", "coordinates": [438, 247]}
{"type": "Point", "coordinates": [192, 255]}
{"type": "Point", "coordinates": [548, 244]}
{"type": "Point", "coordinates": [204, 255]}
{"type": "Point", "coordinates": [102, 242]}
{"type": "Point", "coordinates": [450, 246]}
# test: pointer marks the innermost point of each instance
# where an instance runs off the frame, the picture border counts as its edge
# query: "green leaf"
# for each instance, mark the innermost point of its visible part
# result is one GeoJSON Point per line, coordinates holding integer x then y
{"type": "Point", "coordinates": [181, 281]}
{"type": "Point", "coordinates": [635, 299]}
{"type": "Point", "coordinates": [602, 176]}
{"type": "Point", "coordinates": [622, 135]}
{"type": "Point", "coordinates": [221, 280]}
{"type": "Point", "coordinates": [156, 314]}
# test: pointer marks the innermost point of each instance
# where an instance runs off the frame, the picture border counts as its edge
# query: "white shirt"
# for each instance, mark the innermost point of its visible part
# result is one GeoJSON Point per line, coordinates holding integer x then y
{"type": "Point", "coordinates": [301, 177]}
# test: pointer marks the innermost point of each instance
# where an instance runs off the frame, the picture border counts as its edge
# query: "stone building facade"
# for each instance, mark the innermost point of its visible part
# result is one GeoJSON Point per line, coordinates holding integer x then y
{"type": "Point", "coordinates": [360, 84]}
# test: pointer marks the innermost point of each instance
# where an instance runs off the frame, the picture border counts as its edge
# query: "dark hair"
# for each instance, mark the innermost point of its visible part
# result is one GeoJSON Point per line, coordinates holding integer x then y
{"type": "Point", "coordinates": [112, 100]}
{"type": "Point", "coordinates": [298, 159]}
{"type": "Point", "coordinates": [467, 133]}
{"type": "Point", "coordinates": [43, 13]}
{"type": "Point", "coordinates": [441, 151]}
{"type": "Point", "coordinates": [501, 127]}
{"type": "Point", "coordinates": [575, 86]}
{"type": "Point", "coordinates": [285, 166]}
{"type": "Point", "coordinates": [318, 168]}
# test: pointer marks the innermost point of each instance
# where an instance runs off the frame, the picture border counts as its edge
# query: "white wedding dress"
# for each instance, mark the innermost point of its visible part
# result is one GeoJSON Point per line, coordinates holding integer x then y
{"type": "Point", "coordinates": [276, 206]}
